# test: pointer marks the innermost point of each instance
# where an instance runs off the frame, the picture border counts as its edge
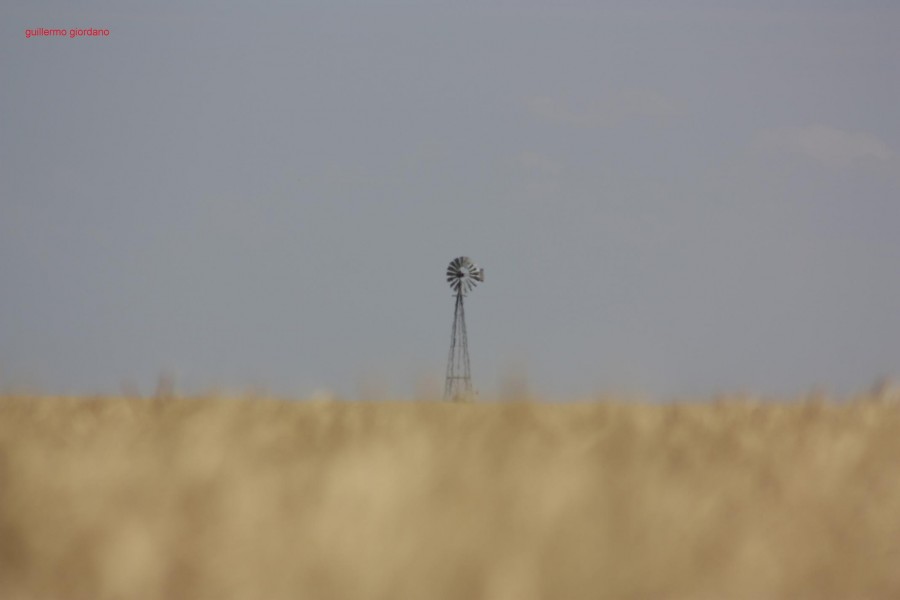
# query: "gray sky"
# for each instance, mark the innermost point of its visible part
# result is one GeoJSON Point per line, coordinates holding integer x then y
{"type": "Point", "coordinates": [674, 200]}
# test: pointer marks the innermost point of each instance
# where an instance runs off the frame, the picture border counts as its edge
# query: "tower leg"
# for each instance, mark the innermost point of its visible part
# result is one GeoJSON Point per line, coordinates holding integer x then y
{"type": "Point", "coordinates": [458, 385]}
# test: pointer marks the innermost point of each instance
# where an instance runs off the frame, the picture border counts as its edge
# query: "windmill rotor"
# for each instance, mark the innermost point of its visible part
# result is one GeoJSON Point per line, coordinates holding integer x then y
{"type": "Point", "coordinates": [463, 275]}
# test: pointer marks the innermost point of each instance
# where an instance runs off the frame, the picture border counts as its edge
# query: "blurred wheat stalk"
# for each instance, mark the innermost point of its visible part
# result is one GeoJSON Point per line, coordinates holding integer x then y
{"type": "Point", "coordinates": [258, 498]}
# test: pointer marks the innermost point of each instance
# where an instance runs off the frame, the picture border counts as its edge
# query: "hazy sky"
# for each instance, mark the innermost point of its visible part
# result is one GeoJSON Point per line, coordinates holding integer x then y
{"type": "Point", "coordinates": [675, 198]}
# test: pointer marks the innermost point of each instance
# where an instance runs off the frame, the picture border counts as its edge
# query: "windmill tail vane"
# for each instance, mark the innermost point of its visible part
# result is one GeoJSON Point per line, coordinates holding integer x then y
{"type": "Point", "coordinates": [462, 275]}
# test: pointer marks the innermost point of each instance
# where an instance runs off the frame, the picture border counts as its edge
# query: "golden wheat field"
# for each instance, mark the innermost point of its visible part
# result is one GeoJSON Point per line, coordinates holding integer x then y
{"type": "Point", "coordinates": [256, 498]}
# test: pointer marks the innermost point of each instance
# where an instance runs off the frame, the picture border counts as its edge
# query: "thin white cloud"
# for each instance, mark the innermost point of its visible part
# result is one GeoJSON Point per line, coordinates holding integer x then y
{"type": "Point", "coordinates": [618, 108]}
{"type": "Point", "coordinates": [828, 145]}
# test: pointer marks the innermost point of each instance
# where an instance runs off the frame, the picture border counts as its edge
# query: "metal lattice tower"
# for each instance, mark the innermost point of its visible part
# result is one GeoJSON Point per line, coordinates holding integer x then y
{"type": "Point", "coordinates": [462, 275]}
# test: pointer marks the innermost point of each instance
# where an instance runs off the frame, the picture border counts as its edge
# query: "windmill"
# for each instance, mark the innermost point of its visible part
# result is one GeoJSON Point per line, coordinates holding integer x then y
{"type": "Point", "coordinates": [462, 275]}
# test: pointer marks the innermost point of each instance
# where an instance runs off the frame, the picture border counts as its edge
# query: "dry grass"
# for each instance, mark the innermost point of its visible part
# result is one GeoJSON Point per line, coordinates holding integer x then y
{"type": "Point", "coordinates": [220, 498]}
